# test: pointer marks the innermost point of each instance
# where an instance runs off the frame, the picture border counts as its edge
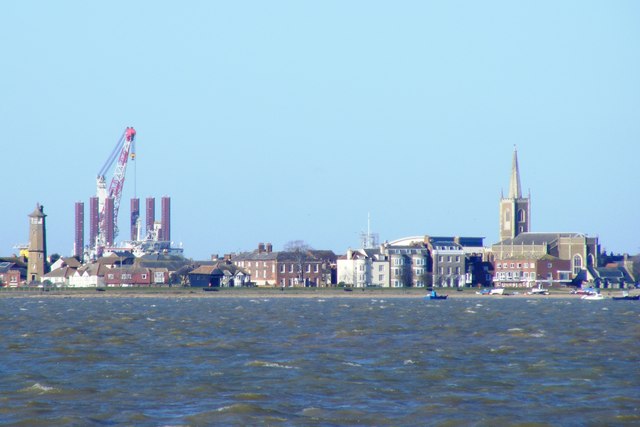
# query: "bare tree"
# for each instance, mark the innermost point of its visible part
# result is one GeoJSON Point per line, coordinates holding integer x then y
{"type": "Point", "coordinates": [299, 251]}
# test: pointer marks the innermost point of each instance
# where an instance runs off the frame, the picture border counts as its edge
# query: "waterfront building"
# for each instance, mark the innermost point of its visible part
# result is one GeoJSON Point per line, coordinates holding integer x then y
{"type": "Point", "coordinates": [361, 268]}
{"type": "Point", "coordinates": [306, 267]}
{"type": "Point", "coordinates": [529, 272]}
{"type": "Point", "coordinates": [517, 242]}
{"type": "Point", "coordinates": [219, 274]}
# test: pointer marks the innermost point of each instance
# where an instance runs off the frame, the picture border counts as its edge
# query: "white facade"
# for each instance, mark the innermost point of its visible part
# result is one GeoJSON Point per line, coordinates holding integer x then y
{"type": "Point", "coordinates": [362, 268]}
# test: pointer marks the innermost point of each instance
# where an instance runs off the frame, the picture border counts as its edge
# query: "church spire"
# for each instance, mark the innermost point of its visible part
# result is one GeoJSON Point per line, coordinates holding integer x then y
{"type": "Point", "coordinates": [514, 185]}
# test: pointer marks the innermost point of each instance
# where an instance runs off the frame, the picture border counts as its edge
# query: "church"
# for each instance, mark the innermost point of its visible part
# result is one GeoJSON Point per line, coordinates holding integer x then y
{"type": "Point", "coordinates": [523, 258]}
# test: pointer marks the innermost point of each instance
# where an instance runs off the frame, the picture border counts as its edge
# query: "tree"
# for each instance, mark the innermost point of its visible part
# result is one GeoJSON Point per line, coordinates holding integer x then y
{"type": "Point", "coordinates": [299, 252]}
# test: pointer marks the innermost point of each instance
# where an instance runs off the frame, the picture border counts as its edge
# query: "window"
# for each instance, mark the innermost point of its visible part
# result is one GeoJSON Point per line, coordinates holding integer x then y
{"type": "Point", "coordinates": [380, 277]}
{"type": "Point", "coordinates": [519, 265]}
{"type": "Point", "coordinates": [577, 264]}
{"type": "Point", "coordinates": [457, 258]}
{"type": "Point", "coordinates": [521, 217]}
{"type": "Point", "coordinates": [380, 267]}
{"type": "Point", "coordinates": [441, 270]}
{"type": "Point", "coordinates": [264, 274]}
{"type": "Point", "coordinates": [309, 268]}
{"type": "Point", "coordinates": [449, 258]}
{"type": "Point", "coordinates": [290, 268]}
{"type": "Point", "coordinates": [499, 265]}
{"type": "Point", "coordinates": [110, 276]}
{"type": "Point", "coordinates": [282, 268]}
{"type": "Point", "coordinates": [441, 258]}
{"type": "Point", "coordinates": [315, 268]}
{"type": "Point", "coordinates": [144, 276]}
{"type": "Point", "coordinates": [457, 270]}
{"type": "Point", "coordinates": [513, 265]}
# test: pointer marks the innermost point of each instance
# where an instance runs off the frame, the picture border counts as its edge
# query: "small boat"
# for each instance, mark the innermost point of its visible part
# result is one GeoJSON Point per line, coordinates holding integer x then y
{"type": "Point", "coordinates": [538, 291]}
{"type": "Point", "coordinates": [434, 295]}
{"type": "Point", "coordinates": [210, 289]}
{"type": "Point", "coordinates": [626, 297]}
{"type": "Point", "coordinates": [592, 297]}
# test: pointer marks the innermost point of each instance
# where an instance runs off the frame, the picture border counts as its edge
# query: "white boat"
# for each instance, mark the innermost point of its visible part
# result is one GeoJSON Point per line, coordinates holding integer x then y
{"type": "Point", "coordinates": [538, 291]}
{"type": "Point", "coordinates": [592, 297]}
{"type": "Point", "coordinates": [497, 291]}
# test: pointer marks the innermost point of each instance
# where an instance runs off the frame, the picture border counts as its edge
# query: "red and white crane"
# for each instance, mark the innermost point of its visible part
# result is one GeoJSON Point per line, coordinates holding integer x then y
{"type": "Point", "coordinates": [125, 148]}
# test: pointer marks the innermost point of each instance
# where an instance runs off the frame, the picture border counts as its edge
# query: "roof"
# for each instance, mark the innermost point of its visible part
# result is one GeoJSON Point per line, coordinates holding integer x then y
{"type": "Point", "coordinates": [61, 272]}
{"type": "Point", "coordinates": [530, 238]}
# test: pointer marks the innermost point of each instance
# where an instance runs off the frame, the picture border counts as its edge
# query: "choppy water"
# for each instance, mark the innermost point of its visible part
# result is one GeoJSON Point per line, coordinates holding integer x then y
{"type": "Point", "coordinates": [183, 361]}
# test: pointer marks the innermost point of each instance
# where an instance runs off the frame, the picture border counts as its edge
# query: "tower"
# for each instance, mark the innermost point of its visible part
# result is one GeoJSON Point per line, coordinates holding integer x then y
{"type": "Point", "coordinates": [37, 245]}
{"type": "Point", "coordinates": [515, 210]}
{"type": "Point", "coordinates": [109, 221]}
{"type": "Point", "coordinates": [94, 220]}
{"type": "Point", "coordinates": [151, 215]}
{"type": "Point", "coordinates": [78, 243]}
{"type": "Point", "coordinates": [135, 216]}
{"type": "Point", "coordinates": [166, 219]}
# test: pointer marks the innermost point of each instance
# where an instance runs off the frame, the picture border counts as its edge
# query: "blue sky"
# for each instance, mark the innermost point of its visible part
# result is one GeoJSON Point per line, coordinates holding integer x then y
{"type": "Point", "coordinates": [291, 120]}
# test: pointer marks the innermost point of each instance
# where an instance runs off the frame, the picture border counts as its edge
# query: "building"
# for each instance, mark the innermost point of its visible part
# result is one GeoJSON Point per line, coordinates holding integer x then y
{"type": "Point", "coordinates": [12, 273]}
{"type": "Point", "coordinates": [409, 262]}
{"type": "Point", "coordinates": [440, 261]}
{"type": "Point", "coordinates": [305, 267]}
{"type": "Point", "coordinates": [363, 268]}
{"type": "Point", "coordinates": [165, 229]}
{"type": "Point", "coordinates": [134, 219]}
{"type": "Point", "coordinates": [150, 218]}
{"type": "Point", "coordinates": [219, 274]}
{"type": "Point", "coordinates": [515, 210]}
{"type": "Point", "coordinates": [529, 272]}
{"type": "Point", "coordinates": [37, 265]}
{"type": "Point", "coordinates": [520, 245]}
{"type": "Point", "coordinates": [78, 242]}
{"type": "Point", "coordinates": [109, 221]}
{"type": "Point", "coordinates": [135, 276]}
{"type": "Point", "coordinates": [94, 221]}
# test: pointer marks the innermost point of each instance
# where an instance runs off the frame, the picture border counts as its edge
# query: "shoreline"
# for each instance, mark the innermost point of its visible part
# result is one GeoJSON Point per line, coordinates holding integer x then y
{"type": "Point", "coordinates": [314, 293]}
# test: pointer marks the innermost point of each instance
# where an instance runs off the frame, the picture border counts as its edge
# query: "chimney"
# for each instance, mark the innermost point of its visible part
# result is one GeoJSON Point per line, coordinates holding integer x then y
{"type": "Point", "coordinates": [261, 248]}
{"type": "Point", "coordinates": [269, 248]}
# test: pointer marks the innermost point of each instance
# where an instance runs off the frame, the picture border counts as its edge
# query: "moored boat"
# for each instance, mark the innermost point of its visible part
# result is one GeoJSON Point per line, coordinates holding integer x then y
{"type": "Point", "coordinates": [592, 297]}
{"type": "Point", "coordinates": [626, 297]}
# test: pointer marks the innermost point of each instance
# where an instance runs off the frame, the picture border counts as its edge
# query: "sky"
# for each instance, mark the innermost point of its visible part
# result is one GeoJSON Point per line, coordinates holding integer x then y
{"type": "Point", "coordinates": [296, 120]}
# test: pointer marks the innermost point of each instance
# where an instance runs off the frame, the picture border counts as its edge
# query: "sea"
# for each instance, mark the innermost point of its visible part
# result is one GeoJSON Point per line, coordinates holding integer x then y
{"type": "Point", "coordinates": [183, 361]}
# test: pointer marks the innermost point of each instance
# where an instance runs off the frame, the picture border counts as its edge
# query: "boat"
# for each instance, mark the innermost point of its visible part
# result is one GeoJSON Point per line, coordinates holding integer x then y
{"type": "Point", "coordinates": [592, 297]}
{"type": "Point", "coordinates": [538, 291]}
{"type": "Point", "coordinates": [434, 295]}
{"type": "Point", "coordinates": [495, 291]}
{"type": "Point", "coordinates": [626, 297]}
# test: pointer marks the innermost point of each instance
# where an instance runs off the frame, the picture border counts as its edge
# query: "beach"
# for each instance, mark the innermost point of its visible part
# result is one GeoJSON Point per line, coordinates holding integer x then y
{"type": "Point", "coordinates": [378, 293]}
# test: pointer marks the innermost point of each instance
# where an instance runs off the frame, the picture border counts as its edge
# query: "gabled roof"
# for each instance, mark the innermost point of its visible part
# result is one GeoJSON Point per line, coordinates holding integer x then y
{"type": "Point", "coordinates": [61, 272]}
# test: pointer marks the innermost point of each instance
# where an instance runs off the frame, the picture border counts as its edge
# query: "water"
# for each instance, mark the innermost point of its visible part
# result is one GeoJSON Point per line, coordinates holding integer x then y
{"type": "Point", "coordinates": [339, 361]}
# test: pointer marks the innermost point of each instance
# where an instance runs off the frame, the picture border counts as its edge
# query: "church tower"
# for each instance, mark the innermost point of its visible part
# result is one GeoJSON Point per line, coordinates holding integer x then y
{"type": "Point", "coordinates": [515, 210]}
{"type": "Point", "coordinates": [37, 245]}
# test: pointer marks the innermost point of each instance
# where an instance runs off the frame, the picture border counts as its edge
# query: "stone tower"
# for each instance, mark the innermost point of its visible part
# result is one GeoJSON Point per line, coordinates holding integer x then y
{"type": "Point", "coordinates": [515, 210]}
{"type": "Point", "coordinates": [37, 245]}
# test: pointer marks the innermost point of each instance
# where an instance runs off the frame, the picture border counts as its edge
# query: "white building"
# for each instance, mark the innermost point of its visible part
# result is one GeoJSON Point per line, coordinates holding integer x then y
{"type": "Point", "coordinates": [363, 267]}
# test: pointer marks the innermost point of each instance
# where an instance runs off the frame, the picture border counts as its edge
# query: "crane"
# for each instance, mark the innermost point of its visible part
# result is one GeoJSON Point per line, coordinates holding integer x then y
{"type": "Point", "coordinates": [125, 148]}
